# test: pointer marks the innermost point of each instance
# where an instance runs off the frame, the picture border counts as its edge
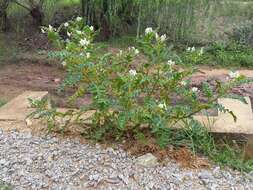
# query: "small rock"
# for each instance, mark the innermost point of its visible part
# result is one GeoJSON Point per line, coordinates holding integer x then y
{"type": "Point", "coordinates": [94, 177]}
{"type": "Point", "coordinates": [147, 160]}
{"type": "Point", "coordinates": [205, 177]}
{"type": "Point", "coordinates": [57, 80]}
{"type": "Point", "coordinates": [28, 122]}
{"type": "Point", "coordinates": [3, 162]}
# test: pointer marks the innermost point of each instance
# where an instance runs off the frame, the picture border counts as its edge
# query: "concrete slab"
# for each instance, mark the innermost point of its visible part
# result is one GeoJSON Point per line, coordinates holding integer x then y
{"type": "Point", "coordinates": [18, 108]}
{"type": "Point", "coordinates": [224, 122]}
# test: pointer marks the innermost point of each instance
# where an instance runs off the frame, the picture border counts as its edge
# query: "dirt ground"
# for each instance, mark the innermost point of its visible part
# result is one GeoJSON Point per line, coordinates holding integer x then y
{"type": "Point", "coordinates": [15, 78]}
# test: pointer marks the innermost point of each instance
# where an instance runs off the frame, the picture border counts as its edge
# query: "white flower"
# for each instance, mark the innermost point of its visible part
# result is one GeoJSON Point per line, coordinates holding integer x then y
{"type": "Point", "coordinates": [91, 28]}
{"type": "Point", "coordinates": [64, 63]}
{"type": "Point", "coordinates": [183, 83]}
{"type": "Point", "coordinates": [66, 24]}
{"type": "Point", "coordinates": [195, 89]}
{"type": "Point", "coordinates": [192, 49]}
{"type": "Point", "coordinates": [50, 28]}
{"type": "Point", "coordinates": [88, 55]}
{"type": "Point", "coordinates": [69, 34]}
{"type": "Point", "coordinates": [132, 72]}
{"type": "Point", "coordinates": [201, 51]}
{"type": "Point", "coordinates": [163, 37]}
{"type": "Point", "coordinates": [84, 42]}
{"type": "Point", "coordinates": [79, 32]}
{"type": "Point", "coordinates": [157, 36]}
{"type": "Point", "coordinates": [148, 30]}
{"type": "Point", "coordinates": [162, 105]}
{"type": "Point", "coordinates": [136, 51]}
{"type": "Point", "coordinates": [234, 74]}
{"type": "Point", "coordinates": [78, 18]}
{"type": "Point", "coordinates": [171, 63]}
{"type": "Point", "coordinates": [67, 40]}
{"type": "Point", "coordinates": [120, 52]}
{"type": "Point", "coordinates": [43, 31]}
{"type": "Point", "coordinates": [81, 54]}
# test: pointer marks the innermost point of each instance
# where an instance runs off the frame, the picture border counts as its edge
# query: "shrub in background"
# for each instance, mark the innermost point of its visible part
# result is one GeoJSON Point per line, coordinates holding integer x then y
{"type": "Point", "coordinates": [220, 54]}
{"type": "Point", "coordinates": [243, 33]}
{"type": "Point", "coordinates": [230, 54]}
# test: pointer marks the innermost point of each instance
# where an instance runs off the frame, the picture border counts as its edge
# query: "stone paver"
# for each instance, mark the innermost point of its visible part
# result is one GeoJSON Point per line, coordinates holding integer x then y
{"type": "Point", "coordinates": [224, 122]}
{"type": "Point", "coordinates": [18, 108]}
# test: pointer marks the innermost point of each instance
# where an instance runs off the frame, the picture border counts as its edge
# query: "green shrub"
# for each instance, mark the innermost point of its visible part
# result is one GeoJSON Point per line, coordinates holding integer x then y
{"type": "Point", "coordinates": [3, 186]}
{"type": "Point", "coordinates": [231, 54]}
{"type": "Point", "coordinates": [129, 99]}
{"type": "Point", "coordinates": [220, 54]}
{"type": "Point", "coordinates": [243, 33]}
{"type": "Point", "coordinates": [2, 102]}
{"type": "Point", "coordinates": [193, 56]}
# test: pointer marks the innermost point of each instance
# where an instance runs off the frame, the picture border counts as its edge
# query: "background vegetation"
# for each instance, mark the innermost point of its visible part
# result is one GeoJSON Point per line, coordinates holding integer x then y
{"type": "Point", "coordinates": [184, 20]}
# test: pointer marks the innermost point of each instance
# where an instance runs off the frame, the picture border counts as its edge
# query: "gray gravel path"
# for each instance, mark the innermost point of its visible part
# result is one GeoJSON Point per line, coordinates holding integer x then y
{"type": "Point", "coordinates": [29, 162]}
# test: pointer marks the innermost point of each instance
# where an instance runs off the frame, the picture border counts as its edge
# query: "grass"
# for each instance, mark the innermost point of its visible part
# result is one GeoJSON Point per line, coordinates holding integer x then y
{"type": "Point", "coordinates": [233, 55]}
{"type": "Point", "coordinates": [122, 42]}
{"type": "Point", "coordinates": [9, 49]}
{"type": "Point", "coordinates": [67, 3]}
{"type": "Point", "coordinates": [4, 186]}
{"type": "Point", "coordinates": [223, 153]}
{"type": "Point", "coordinates": [2, 102]}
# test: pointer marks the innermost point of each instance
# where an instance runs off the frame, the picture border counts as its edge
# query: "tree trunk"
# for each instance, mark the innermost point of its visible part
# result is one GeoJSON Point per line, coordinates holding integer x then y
{"type": "Point", "coordinates": [4, 21]}
{"type": "Point", "coordinates": [83, 8]}
{"type": "Point", "coordinates": [37, 15]}
{"type": "Point", "coordinates": [105, 27]}
{"type": "Point", "coordinates": [3, 14]}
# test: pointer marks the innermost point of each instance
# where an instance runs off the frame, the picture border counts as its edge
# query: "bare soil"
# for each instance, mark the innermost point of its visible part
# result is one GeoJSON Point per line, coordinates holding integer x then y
{"type": "Point", "coordinates": [39, 75]}
{"type": "Point", "coordinates": [16, 78]}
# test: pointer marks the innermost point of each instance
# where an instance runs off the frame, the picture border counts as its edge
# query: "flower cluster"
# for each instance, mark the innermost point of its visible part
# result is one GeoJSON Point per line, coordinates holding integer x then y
{"type": "Point", "coordinates": [171, 63]}
{"type": "Point", "coordinates": [84, 42]}
{"type": "Point", "coordinates": [133, 49]}
{"type": "Point", "coordinates": [132, 72]}
{"type": "Point", "coordinates": [161, 38]}
{"type": "Point", "coordinates": [234, 74]}
{"type": "Point", "coordinates": [191, 49]}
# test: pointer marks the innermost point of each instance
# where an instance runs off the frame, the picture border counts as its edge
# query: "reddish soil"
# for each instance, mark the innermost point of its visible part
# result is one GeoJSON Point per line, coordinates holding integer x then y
{"type": "Point", "coordinates": [38, 75]}
{"type": "Point", "coordinates": [182, 155]}
{"type": "Point", "coordinates": [15, 78]}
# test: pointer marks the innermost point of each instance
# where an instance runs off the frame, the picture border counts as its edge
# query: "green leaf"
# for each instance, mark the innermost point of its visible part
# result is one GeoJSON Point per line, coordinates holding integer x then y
{"type": "Point", "coordinates": [122, 120]}
{"type": "Point", "coordinates": [237, 97]}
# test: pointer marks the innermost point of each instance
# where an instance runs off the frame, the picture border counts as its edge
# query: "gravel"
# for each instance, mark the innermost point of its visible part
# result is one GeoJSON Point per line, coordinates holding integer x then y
{"type": "Point", "coordinates": [45, 162]}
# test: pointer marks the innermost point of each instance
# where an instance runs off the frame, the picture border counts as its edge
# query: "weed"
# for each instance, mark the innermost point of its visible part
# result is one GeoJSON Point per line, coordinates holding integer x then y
{"type": "Point", "coordinates": [4, 186]}
{"type": "Point", "coordinates": [133, 101]}
{"type": "Point", "coordinates": [2, 102]}
{"type": "Point", "coordinates": [199, 140]}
